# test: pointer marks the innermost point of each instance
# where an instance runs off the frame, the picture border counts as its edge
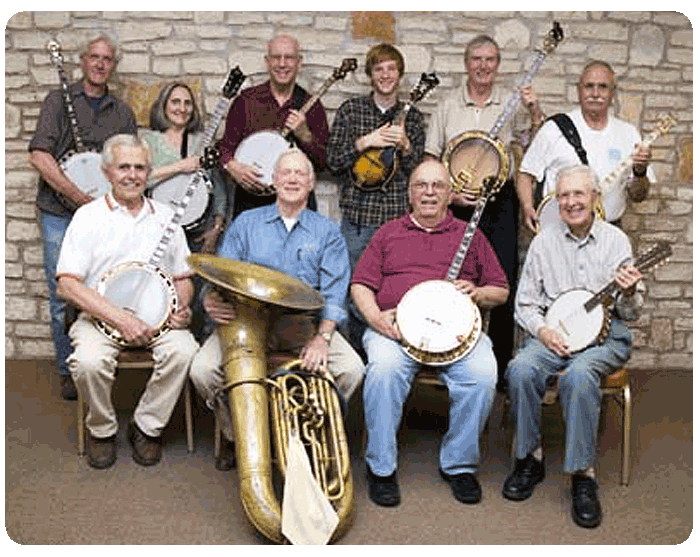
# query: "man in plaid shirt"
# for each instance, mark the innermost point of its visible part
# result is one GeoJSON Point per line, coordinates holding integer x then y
{"type": "Point", "coordinates": [365, 122]}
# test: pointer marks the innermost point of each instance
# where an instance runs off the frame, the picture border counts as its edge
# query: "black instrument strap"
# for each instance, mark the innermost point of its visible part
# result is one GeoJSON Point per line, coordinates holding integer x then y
{"type": "Point", "coordinates": [183, 145]}
{"type": "Point", "coordinates": [569, 131]}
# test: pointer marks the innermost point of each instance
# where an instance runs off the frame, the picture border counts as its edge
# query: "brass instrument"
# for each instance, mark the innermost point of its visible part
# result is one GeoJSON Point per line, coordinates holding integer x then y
{"type": "Point", "coordinates": [302, 401]}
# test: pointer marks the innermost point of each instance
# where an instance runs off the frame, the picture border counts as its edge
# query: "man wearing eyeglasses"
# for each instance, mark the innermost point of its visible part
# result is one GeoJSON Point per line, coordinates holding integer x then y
{"type": "Point", "coordinates": [273, 105]}
{"type": "Point", "coordinates": [411, 249]}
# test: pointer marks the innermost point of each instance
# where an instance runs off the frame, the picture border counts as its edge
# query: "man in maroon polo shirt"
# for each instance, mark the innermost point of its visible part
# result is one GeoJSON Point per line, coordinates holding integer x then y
{"type": "Point", "coordinates": [272, 106]}
{"type": "Point", "coordinates": [416, 247]}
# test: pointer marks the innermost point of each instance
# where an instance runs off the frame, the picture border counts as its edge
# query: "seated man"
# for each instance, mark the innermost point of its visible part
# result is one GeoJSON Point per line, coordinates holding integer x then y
{"type": "Point", "coordinates": [301, 243]}
{"type": "Point", "coordinates": [580, 252]}
{"type": "Point", "coordinates": [119, 227]}
{"type": "Point", "coordinates": [406, 251]}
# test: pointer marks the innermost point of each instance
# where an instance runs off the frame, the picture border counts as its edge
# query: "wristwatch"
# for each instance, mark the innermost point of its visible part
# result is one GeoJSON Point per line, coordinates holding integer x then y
{"type": "Point", "coordinates": [326, 336]}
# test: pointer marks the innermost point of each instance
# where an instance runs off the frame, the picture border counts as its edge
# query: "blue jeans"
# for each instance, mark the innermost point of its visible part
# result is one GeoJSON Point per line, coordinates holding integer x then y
{"type": "Point", "coordinates": [579, 392]}
{"type": "Point", "coordinates": [53, 228]}
{"type": "Point", "coordinates": [471, 383]}
{"type": "Point", "coordinates": [356, 238]}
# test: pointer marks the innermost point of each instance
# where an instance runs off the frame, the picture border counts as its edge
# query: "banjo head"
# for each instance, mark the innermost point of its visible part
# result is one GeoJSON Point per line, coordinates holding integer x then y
{"type": "Point", "coordinates": [430, 317]}
{"type": "Point", "coordinates": [471, 158]}
{"type": "Point", "coordinates": [171, 191]}
{"type": "Point", "coordinates": [261, 151]}
{"type": "Point", "coordinates": [85, 171]}
{"type": "Point", "coordinates": [569, 318]}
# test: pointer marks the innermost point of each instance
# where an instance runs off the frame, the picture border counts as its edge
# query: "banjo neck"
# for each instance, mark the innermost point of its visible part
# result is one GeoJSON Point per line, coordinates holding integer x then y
{"type": "Point", "coordinates": [348, 65]}
{"type": "Point", "coordinates": [461, 254]}
{"type": "Point", "coordinates": [553, 39]}
{"type": "Point", "coordinates": [57, 60]}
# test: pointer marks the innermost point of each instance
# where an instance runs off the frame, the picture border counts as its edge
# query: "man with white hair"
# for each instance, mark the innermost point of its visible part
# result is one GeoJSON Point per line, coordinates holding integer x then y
{"type": "Point", "coordinates": [580, 252]}
{"type": "Point", "coordinates": [305, 245]}
{"type": "Point", "coordinates": [99, 115]}
{"type": "Point", "coordinates": [121, 227]}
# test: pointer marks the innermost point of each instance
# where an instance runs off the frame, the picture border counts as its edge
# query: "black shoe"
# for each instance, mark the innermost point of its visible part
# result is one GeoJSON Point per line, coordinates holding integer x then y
{"type": "Point", "coordinates": [101, 453]}
{"type": "Point", "coordinates": [68, 390]}
{"type": "Point", "coordinates": [227, 457]}
{"type": "Point", "coordinates": [585, 507]}
{"type": "Point", "coordinates": [527, 474]}
{"type": "Point", "coordinates": [465, 487]}
{"type": "Point", "coordinates": [383, 490]}
{"type": "Point", "coordinates": [147, 450]}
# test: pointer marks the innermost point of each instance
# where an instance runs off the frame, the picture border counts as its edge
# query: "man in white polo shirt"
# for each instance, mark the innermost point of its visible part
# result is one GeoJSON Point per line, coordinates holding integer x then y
{"type": "Point", "coordinates": [120, 227]}
{"type": "Point", "coordinates": [606, 140]}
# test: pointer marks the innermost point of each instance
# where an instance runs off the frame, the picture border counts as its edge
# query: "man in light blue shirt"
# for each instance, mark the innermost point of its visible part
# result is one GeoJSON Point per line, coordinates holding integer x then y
{"type": "Point", "coordinates": [301, 243]}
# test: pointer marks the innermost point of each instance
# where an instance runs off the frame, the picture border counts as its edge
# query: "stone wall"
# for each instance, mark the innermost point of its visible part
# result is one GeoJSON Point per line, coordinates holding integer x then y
{"type": "Point", "coordinates": [651, 52]}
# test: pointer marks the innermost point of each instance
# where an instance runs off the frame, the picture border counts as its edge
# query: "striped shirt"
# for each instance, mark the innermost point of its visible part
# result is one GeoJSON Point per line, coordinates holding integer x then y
{"type": "Point", "coordinates": [357, 117]}
{"type": "Point", "coordinates": [558, 261]}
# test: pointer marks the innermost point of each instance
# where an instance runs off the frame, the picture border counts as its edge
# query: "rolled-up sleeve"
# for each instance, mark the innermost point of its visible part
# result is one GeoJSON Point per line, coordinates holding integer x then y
{"type": "Point", "coordinates": [334, 277]}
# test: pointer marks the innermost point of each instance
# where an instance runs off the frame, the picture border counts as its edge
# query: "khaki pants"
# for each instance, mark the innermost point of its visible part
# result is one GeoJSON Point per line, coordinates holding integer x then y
{"type": "Point", "coordinates": [93, 365]}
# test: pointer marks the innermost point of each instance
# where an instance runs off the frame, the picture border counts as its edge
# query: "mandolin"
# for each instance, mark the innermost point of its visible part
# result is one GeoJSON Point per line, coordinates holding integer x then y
{"type": "Point", "coordinates": [375, 167]}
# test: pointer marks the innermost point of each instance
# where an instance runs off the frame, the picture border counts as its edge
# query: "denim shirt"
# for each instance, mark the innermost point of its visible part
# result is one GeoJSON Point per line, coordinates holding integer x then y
{"type": "Point", "coordinates": [313, 251]}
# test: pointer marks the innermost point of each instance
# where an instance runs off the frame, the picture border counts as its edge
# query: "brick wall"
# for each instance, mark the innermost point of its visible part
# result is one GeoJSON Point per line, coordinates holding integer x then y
{"type": "Point", "coordinates": [651, 52]}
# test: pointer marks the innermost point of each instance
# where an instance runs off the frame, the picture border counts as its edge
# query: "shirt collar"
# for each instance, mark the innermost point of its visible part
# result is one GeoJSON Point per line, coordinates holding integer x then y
{"type": "Point", "coordinates": [271, 213]}
{"type": "Point", "coordinates": [444, 225]}
{"type": "Point", "coordinates": [113, 205]}
{"type": "Point", "coordinates": [495, 97]}
{"type": "Point", "coordinates": [592, 236]}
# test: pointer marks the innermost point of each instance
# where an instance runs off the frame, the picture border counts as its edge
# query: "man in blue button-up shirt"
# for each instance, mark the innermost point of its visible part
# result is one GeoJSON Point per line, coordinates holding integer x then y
{"type": "Point", "coordinates": [301, 243]}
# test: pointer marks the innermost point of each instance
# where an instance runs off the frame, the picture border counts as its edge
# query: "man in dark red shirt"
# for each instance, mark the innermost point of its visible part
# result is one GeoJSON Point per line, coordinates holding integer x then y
{"type": "Point", "coordinates": [406, 251]}
{"type": "Point", "coordinates": [273, 105]}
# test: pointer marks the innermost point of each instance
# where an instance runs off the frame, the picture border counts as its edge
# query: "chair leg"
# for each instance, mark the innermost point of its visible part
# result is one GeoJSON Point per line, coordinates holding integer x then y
{"type": "Point", "coordinates": [626, 434]}
{"type": "Point", "coordinates": [81, 424]}
{"type": "Point", "coordinates": [188, 417]}
{"type": "Point", "coordinates": [217, 437]}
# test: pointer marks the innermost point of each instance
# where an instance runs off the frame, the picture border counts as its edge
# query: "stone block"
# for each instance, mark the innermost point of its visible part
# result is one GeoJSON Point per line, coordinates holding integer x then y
{"type": "Point", "coordinates": [21, 230]}
{"type": "Point", "coordinates": [19, 308]}
{"type": "Point", "coordinates": [680, 55]}
{"type": "Point", "coordinates": [51, 19]}
{"type": "Point", "coordinates": [144, 31]}
{"type": "Point", "coordinates": [642, 359]}
{"type": "Point", "coordinates": [38, 349]}
{"type": "Point", "coordinates": [373, 25]}
{"type": "Point", "coordinates": [647, 46]}
{"type": "Point", "coordinates": [680, 361]}
{"type": "Point", "coordinates": [674, 19]}
{"type": "Point", "coordinates": [595, 31]}
{"type": "Point", "coordinates": [681, 272]}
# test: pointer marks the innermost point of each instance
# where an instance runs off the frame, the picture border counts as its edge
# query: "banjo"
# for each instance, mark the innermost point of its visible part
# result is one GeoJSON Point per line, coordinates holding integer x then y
{"type": "Point", "coordinates": [82, 166]}
{"type": "Point", "coordinates": [548, 210]}
{"type": "Point", "coordinates": [144, 288]}
{"type": "Point", "coordinates": [262, 149]}
{"type": "Point", "coordinates": [474, 155]}
{"type": "Point", "coordinates": [439, 324]}
{"type": "Point", "coordinates": [582, 318]}
{"type": "Point", "coordinates": [375, 167]}
{"type": "Point", "coordinates": [172, 190]}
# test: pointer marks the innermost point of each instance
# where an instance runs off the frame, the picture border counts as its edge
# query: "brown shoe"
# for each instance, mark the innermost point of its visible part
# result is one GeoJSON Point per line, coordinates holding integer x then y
{"type": "Point", "coordinates": [147, 450]}
{"type": "Point", "coordinates": [227, 457]}
{"type": "Point", "coordinates": [68, 390]}
{"type": "Point", "coordinates": [101, 453]}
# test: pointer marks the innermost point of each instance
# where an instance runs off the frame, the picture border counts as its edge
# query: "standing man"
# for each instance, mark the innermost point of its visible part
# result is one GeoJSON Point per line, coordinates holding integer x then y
{"type": "Point", "coordinates": [606, 140]}
{"type": "Point", "coordinates": [124, 226]}
{"type": "Point", "coordinates": [273, 105]}
{"type": "Point", "coordinates": [305, 245]}
{"type": "Point", "coordinates": [477, 105]}
{"type": "Point", "coordinates": [416, 247]}
{"type": "Point", "coordinates": [99, 115]}
{"type": "Point", "coordinates": [580, 252]}
{"type": "Point", "coordinates": [367, 122]}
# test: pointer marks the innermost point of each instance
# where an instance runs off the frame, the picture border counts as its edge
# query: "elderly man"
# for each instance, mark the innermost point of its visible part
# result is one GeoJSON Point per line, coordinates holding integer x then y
{"type": "Point", "coordinates": [273, 105]}
{"type": "Point", "coordinates": [605, 139]}
{"type": "Point", "coordinates": [99, 115]}
{"type": "Point", "coordinates": [477, 105]}
{"type": "Point", "coordinates": [580, 252]}
{"type": "Point", "coordinates": [124, 226]}
{"type": "Point", "coordinates": [301, 243]}
{"type": "Point", "coordinates": [416, 247]}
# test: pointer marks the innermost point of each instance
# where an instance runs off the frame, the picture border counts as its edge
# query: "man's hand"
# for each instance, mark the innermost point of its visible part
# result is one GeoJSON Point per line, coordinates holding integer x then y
{"type": "Point", "coordinates": [133, 330]}
{"type": "Point", "coordinates": [554, 341]}
{"type": "Point", "coordinates": [221, 311]}
{"type": "Point", "coordinates": [532, 221]}
{"type": "Point", "coordinates": [464, 198]}
{"type": "Point", "coordinates": [388, 135]}
{"type": "Point", "coordinates": [529, 99]}
{"type": "Point", "coordinates": [627, 277]}
{"type": "Point", "coordinates": [296, 122]}
{"type": "Point", "coordinates": [180, 319]}
{"type": "Point", "coordinates": [385, 323]}
{"type": "Point", "coordinates": [245, 175]}
{"type": "Point", "coordinates": [314, 356]}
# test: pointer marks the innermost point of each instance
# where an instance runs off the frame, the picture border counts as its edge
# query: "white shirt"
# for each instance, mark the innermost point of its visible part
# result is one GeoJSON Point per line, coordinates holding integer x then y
{"type": "Point", "coordinates": [102, 234]}
{"type": "Point", "coordinates": [550, 151]}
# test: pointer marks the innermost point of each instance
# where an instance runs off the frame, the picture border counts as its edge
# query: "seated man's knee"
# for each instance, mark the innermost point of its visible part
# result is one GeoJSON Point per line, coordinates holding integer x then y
{"type": "Point", "coordinates": [519, 371]}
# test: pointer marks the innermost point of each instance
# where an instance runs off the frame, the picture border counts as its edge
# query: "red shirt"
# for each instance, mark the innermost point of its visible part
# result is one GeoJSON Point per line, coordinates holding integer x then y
{"type": "Point", "coordinates": [401, 254]}
{"type": "Point", "coordinates": [255, 109]}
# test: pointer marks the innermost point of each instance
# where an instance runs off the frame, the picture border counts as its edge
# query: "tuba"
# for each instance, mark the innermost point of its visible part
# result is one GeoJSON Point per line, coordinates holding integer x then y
{"type": "Point", "coordinates": [293, 399]}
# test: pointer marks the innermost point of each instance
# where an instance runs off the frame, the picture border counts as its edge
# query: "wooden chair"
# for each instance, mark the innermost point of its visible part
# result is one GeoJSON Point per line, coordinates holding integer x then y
{"type": "Point", "coordinates": [616, 385]}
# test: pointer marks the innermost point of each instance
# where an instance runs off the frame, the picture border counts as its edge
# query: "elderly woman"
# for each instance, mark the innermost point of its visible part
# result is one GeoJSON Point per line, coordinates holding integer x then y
{"type": "Point", "coordinates": [174, 140]}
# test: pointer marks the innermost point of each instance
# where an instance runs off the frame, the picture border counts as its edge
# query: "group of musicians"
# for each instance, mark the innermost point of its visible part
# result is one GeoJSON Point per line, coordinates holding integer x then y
{"type": "Point", "coordinates": [389, 239]}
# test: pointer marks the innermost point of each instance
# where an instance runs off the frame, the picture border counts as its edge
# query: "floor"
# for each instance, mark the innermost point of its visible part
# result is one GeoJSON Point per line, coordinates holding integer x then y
{"type": "Point", "coordinates": [53, 497]}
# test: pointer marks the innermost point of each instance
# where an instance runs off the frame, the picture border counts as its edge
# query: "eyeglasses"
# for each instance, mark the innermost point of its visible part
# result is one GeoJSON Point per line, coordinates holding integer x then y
{"type": "Point", "coordinates": [277, 58]}
{"type": "Point", "coordinates": [437, 186]}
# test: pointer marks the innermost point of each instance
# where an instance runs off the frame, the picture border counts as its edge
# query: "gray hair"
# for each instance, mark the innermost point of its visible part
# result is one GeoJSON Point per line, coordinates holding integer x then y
{"type": "Point", "coordinates": [105, 38]}
{"type": "Point", "coordinates": [292, 151]}
{"type": "Point", "coordinates": [478, 41]}
{"type": "Point", "coordinates": [123, 140]}
{"type": "Point", "coordinates": [159, 121]}
{"type": "Point", "coordinates": [601, 64]}
{"type": "Point", "coordinates": [579, 169]}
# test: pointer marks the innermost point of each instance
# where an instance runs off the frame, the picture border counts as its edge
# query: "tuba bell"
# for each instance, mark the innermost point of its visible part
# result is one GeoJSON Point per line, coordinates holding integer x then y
{"type": "Point", "coordinates": [298, 400]}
